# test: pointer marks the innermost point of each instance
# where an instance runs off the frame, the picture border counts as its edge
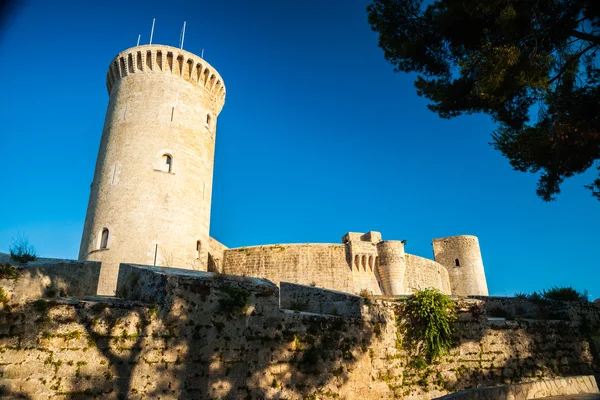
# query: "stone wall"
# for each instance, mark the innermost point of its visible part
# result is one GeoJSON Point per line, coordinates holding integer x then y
{"type": "Point", "coordinates": [531, 390]}
{"type": "Point", "coordinates": [424, 273]}
{"type": "Point", "coordinates": [180, 334]}
{"type": "Point", "coordinates": [323, 265]}
{"type": "Point", "coordinates": [334, 266]}
{"type": "Point", "coordinates": [320, 301]}
{"type": "Point", "coordinates": [216, 254]}
{"type": "Point", "coordinates": [48, 277]}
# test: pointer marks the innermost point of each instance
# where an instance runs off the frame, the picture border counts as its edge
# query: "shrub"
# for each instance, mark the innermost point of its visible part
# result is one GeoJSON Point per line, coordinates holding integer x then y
{"type": "Point", "coordinates": [3, 297]}
{"type": "Point", "coordinates": [7, 271]}
{"type": "Point", "coordinates": [555, 293]}
{"type": "Point", "coordinates": [564, 294]}
{"type": "Point", "coordinates": [21, 250]}
{"type": "Point", "coordinates": [235, 299]}
{"type": "Point", "coordinates": [430, 316]}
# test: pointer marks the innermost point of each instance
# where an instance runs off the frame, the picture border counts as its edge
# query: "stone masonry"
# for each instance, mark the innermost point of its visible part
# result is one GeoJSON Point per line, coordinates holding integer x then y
{"type": "Point", "coordinates": [150, 197]}
{"type": "Point", "coordinates": [183, 334]}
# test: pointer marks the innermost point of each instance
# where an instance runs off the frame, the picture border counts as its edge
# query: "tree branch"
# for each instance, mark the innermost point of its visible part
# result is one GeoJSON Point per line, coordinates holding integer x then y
{"type": "Point", "coordinates": [571, 59]}
{"type": "Point", "coordinates": [585, 36]}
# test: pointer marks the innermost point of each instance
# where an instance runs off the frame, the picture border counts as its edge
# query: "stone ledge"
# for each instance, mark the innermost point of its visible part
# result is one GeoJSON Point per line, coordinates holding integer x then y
{"type": "Point", "coordinates": [571, 385]}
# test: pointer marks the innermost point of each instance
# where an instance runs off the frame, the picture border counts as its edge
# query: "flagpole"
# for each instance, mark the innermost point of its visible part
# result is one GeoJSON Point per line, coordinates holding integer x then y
{"type": "Point", "coordinates": [152, 31]}
{"type": "Point", "coordinates": [183, 35]}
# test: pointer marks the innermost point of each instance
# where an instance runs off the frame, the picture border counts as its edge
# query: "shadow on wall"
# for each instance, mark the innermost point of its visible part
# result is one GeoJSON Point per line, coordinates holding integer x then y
{"type": "Point", "coordinates": [190, 335]}
{"type": "Point", "coordinates": [205, 337]}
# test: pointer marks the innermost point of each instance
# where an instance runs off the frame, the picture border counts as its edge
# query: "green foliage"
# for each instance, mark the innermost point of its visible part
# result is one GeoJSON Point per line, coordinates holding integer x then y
{"type": "Point", "coordinates": [3, 297]}
{"type": "Point", "coordinates": [564, 294]}
{"type": "Point", "coordinates": [531, 66]}
{"type": "Point", "coordinates": [21, 250]}
{"type": "Point", "coordinates": [555, 293]}
{"type": "Point", "coordinates": [7, 271]}
{"type": "Point", "coordinates": [235, 299]}
{"type": "Point", "coordinates": [41, 305]}
{"type": "Point", "coordinates": [430, 315]}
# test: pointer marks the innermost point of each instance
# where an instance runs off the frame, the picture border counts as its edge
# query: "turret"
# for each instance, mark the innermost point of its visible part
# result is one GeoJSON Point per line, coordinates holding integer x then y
{"type": "Point", "coordinates": [151, 193]}
{"type": "Point", "coordinates": [391, 267]}
{"type": "Point", "coordinates": [462, 257]}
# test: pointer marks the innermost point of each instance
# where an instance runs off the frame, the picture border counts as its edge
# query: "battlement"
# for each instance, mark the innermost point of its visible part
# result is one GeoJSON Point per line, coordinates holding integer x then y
{"type": "Point", "coordinates": [171, 60]}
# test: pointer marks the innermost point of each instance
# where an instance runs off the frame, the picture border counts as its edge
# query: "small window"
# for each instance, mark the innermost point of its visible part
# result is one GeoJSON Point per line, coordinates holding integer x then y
{"type": "Point", "coordinates": [104, 239]}
{"type": "Point", "coordinates": [457, 262]}
{"type": "Point", "coordinates": [208, 120]}
{"type": "Point", "coordinates": [167, 163]}
{"type": "Point", "coordinates": [198, 248]}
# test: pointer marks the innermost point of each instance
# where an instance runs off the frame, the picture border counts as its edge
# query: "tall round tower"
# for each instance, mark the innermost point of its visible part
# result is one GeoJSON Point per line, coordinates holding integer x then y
{"type": "Point", "coordinates": [462, 258]}
{"type": "Point", "coordinates": [151, 194]}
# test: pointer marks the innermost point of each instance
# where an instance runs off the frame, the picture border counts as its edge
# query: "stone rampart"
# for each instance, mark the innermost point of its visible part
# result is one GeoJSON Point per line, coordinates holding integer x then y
{"type": "Point", "coordinates": [49, 277]}
{"type": "Point", "coordinates": [424, 273]}
{"type": "Point", "coordinates": [216, 254]}
{"type": "Point", "coordinates": [336, 267]}
{"type": "Point", "coordinates": [323, 265]}
{"type": "Point", "coordinates": [572, 385]}
{"type": "Point", "coordinates": [320, 301]}
{"type": "Point", "coordinates": [181, 334]}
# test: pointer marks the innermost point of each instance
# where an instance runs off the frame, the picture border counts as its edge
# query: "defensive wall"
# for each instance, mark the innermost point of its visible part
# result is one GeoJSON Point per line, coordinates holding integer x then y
{"type": "Point", "coordinates": [181, 334]}
{"type": "Point", "coordinates": [363, 262]}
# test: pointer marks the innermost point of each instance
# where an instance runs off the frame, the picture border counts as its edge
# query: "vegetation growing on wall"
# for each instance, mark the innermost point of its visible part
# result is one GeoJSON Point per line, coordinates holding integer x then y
{"type": "Point", "coordinates": [21, 250]}
{"type": "Point", "coordinates": [556, 293]}
{"type": "Point", "coordinates": [428, 324]}
{"type": "Point", "coordinates": [7, 271]}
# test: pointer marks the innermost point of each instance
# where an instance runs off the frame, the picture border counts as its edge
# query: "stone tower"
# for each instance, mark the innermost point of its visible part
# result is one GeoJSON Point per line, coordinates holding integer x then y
{"type": "Point", "coordinates": [151, 194]}
{"type": "Point", "coordinates": [462, 257]}
{"type": "Point", "coordinates": [391, 267]}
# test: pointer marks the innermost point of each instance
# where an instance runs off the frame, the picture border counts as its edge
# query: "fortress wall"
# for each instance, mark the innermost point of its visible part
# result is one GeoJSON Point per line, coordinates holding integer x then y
{"type": "Point", "coordinates": [424, 273]}
{"type": "Point", "coordinates": [48, 277]}
{"type": "Point", "coordinates": [216, 255]}
{"type": "Point", "coordinates": [323, 265]}
{"type": "Point", "coordinates": [200, 335]}
{"type": "Point", "coordinates": [320, 301]}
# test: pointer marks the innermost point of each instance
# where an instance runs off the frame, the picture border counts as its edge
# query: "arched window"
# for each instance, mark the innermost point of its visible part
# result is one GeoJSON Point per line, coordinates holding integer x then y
{"type": "Point", "coordinates": [457, 262]}
{"type": "Point", "coordinates": [104, 239]}
{"type": "Point", "coordinates": [167, 163]}
{"type": "Point", "coordinates": [198, 249]}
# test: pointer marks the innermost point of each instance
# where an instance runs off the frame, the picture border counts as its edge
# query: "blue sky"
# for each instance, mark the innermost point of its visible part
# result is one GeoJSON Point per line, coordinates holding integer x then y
{"type": "Point", "coordinates": [318, 137]}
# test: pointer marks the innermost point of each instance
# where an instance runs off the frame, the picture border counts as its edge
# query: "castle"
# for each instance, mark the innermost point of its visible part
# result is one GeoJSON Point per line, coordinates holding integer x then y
{"type": "Point", "coordinates": [151, 196]}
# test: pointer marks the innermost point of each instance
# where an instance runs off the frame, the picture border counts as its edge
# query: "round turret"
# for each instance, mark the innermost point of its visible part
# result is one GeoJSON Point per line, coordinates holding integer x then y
{"type": "Point", "coordinates": [151, 194]}
{"type": "Point", "coordinates": [391, 267]}
{"type": "Point", "coordinates": [462, 257]}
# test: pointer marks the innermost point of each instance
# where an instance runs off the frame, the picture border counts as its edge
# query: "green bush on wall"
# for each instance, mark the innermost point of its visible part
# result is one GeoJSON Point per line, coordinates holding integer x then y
{"type": "Point", "coordinates": [429, 318]}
